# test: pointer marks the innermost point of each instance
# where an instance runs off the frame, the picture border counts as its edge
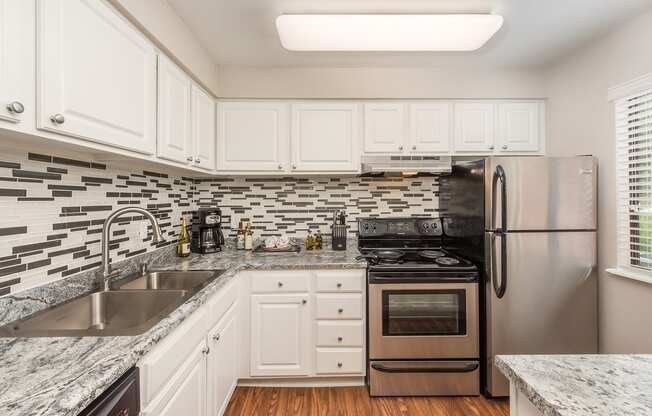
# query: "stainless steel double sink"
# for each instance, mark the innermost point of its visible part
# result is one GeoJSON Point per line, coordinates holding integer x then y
{"type": "Point", "coordinates": [137, 304]}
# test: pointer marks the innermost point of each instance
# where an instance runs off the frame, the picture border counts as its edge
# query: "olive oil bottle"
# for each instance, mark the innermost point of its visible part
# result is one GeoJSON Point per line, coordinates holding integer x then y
{"type": "Point", "coordinates": [183, 241]}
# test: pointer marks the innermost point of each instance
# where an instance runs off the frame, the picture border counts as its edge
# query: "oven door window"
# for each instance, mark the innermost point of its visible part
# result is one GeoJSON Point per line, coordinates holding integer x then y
{"type": "Point", "coordinates": [424, 312]}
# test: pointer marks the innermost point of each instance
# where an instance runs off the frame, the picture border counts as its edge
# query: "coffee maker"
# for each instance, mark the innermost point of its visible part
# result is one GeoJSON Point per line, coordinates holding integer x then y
{"type": "Point", "coordinates": [207, 234]}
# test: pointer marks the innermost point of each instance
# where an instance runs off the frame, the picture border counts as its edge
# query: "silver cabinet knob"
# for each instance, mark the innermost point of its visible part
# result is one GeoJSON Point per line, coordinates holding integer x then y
{"type": "Point", "coordinates": [206, 350]}
{"type": "Point", "coordinates": [57, 118]}
{"type": "Point", "coordinates": [400, 148]}
{"type": "Point", "coordinates": [339, 339]}
{"type": "Point", "coordinates": [189, 158]}
{"type": "Point", "coordinates": [339, 365]}
{"type": "Point", "coordinates": [414, 147]}
{"type": "Point", "coordinates": [504, 147]}
{"type": "Point", "coordinates": [216, 337]}
{"type": "Point", "coordinates": [280, 284]}
{"type": "Point", "coordinates": [280, 167]}
{"type": "Point", "coordinates": [491, 147]}
{"type": "Point", "coordinates": [197, 160]}
{"type": "Point", "coordinates": [339, 285]}
{"type": "Point", "coordinates": [294, 166]}
{"type": "Point", "coordinates": [303, 302]}
{"type": "Point", "coordinates": [15, 107]}
{"type": "Point", "coordinates": [340, 310]}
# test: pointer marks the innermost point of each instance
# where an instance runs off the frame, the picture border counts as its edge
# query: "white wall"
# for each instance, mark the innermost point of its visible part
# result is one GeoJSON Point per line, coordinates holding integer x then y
{"type": "Point", "coordinates": [379, 83]}
{"type": "Point", "coordinates": [581, 121]}
{"type": "Point", "coordinates": [160, 22]}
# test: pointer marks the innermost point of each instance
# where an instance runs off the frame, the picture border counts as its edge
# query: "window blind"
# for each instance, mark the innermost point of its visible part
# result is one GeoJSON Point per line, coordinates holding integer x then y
{"type": "Point", "coordinates": [634, 176]}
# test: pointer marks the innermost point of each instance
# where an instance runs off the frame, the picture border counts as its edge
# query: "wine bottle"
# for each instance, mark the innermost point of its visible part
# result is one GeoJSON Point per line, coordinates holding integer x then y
{"type": "Point", "coordinates": [183, 241]}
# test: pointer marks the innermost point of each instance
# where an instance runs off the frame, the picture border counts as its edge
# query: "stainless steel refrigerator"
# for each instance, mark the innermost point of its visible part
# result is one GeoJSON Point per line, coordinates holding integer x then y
{"type": "Point", "coordinates": [537, 216]}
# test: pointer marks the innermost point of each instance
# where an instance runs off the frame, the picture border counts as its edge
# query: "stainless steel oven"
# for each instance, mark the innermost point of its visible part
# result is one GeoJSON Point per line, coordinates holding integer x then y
{"type": "Point", "coordinates": [423, 320]}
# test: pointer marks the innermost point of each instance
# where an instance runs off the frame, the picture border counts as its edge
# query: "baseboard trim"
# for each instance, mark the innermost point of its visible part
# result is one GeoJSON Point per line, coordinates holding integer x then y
{"type": "Point", "coordinates": [303, 382]}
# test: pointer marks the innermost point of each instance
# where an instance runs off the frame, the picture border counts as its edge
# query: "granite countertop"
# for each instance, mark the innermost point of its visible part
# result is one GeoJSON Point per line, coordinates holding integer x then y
{"type": "Point", "coordinates": [583, 385]}
{"type": "Point", "coordinates": [61, 376]}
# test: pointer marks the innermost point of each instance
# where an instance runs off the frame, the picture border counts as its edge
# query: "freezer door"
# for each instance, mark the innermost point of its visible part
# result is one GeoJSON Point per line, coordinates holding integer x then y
{"type": "Point", "coordinates": [544, 301]}
{"type": "Point", "coordinates": [541, 193]}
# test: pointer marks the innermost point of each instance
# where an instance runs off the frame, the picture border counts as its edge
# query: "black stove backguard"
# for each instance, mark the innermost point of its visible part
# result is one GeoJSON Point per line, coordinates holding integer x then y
{"type": "Point", "coordinates": [461, 203]}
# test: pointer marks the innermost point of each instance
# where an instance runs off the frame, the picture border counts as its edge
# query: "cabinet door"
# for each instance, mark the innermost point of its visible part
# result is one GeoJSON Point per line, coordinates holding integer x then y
{"type": "Point", "coordinates": [518, 127]}
{"type": "Point", "coordinates": [203, 128]}
{"type": "Point", "coordinates": [186, 392]}
{"type": "Point", "coordinates": [430, 128]}
{"type": "Point", "coordinates": [96, 75]}
{"type": "Point", "coordinates": [280, 335]}
{"type": "Point", "coordinates": [252, 136]}
{"type": "Point", "coordinates": [474, 127]}
{"type": "Point", "coordinates": [325, 137]}
{"type": "Point", "coordinates": [385, 128]}
{"type": "Point", "coordinates": [174, 131]}
{"type": "Point", "coordinates": [222, 362]}
{"type": "Point", "coordinates": [17, 51]}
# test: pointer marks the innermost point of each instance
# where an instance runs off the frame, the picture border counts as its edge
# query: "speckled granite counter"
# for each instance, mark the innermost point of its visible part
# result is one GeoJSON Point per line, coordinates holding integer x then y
{"type": "Point", "coordinates": [61, 376]}
{"type": "Point", "coordinates": [583, 385]}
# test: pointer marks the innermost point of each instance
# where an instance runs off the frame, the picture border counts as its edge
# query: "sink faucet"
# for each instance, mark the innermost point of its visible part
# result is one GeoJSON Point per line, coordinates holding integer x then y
{"type": "Point", "coordinates": [105, 268]}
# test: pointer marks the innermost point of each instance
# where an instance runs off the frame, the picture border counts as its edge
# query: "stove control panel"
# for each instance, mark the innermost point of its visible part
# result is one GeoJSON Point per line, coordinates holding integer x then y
{"type": "Point", "coordinates": [398, 227]}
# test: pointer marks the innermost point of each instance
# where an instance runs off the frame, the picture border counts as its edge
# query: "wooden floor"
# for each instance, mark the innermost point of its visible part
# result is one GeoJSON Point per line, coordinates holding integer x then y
{"type": "Point", "coordinates": [354, 401]}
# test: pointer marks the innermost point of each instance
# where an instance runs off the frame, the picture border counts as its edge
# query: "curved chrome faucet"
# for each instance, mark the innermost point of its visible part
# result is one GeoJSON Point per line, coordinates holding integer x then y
{"type": "Point", "coordinates": [105, 268]}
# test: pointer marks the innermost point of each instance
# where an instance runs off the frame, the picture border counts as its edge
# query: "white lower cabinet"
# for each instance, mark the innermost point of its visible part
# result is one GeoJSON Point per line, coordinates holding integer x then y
{"type": "Point", "coordinates": [307, 323]}
{"type": "Point", "coordinates": [280, 335]}
{"type": "Point", "coordinates": [185, 394]}
{"type": "Point", "coordinates": [222, 365]}
{"type": "Point", "coordinates": [193, 371]}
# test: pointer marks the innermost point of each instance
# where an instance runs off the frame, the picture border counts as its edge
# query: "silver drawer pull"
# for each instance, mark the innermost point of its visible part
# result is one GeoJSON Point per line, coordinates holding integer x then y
{"type": "Point", "coordinates": [304, 301]}
{"type": "Point", "coordinates": [340, 310]}
{"type": "Point", "coordinates": [280, 284]}
{"type": "Point", "coordinates": [216, 337]}
{"type": "Point", "coordinates": [15, 107]}
{"type": "Point", "coordinates": [339, 285]}
{"type": "Point", "coordinates": [339, 339]}
{"type": "Point", "coordinates": [339, 365]}
{"type": "Point", "coordinates": [57, 118]}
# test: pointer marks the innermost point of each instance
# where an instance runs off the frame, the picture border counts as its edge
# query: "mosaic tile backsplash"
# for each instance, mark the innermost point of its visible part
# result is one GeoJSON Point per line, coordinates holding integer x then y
{"type": "Point", "coordinates": [293, 206]}
{"type": "Point", "coordinates": [53, 209]}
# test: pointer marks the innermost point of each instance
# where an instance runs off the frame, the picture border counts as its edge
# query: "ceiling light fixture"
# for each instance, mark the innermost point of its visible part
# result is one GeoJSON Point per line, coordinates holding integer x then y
{"type": "Point", "coordinates": [386, 32]}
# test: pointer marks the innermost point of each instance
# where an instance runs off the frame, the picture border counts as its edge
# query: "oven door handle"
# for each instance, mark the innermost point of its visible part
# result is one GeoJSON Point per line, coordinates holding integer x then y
{"type": "Point", "coordinates": [463, 368]}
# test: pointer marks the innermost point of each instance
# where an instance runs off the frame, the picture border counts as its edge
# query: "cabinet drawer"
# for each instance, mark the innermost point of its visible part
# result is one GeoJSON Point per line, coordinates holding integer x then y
{"type": "Point", "coordinates": [340, 333]}
{"type": "Point", "coordinates": [281, 281]}
{"type": "Point", "coordinates": [339, 281]}
{"type": "Point", "coordinates": [160, 364]}
{"type": "Point", "coordinates": [340, 306]}
{"type": "Point", "coordinates": [222, 301]}
{"type": "Point", "coordinates": [339, 361]}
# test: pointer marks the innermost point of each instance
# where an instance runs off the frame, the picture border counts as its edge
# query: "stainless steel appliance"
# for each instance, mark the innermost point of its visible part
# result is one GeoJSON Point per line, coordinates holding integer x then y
{"type": "Point", "coordinates": [530, 222]}
{"type": "Point", "coordinates": [121, 399]}
{"type": "Point", "coordinates": [423, 325]}
{"type": "Point", "coordinates": [207, 236]}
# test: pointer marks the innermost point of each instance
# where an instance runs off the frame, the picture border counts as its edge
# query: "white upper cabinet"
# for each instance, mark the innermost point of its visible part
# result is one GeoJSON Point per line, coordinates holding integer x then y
{"type": "Point", "coordinates": [385, 128]}
{"type": "Point", "coordinates": [430, 128]}
{"type": "Point", "coordinates": [280, 335]}
{"type": "Point", "coordinates": [174, 131]}
{"type": "Point", "coordinates": [252, 136]}
{"type": "Point", "coordinates": [519, 127]}
{"type": "Point", "coordinates": [203, 128]}
{"type": "Point", "coordinates": [325, 137]}
{"type": "Point", "coordinates": [475, 127]}
{"type": "Point", "coordinates": [17, 49]}
{"type": "Point", "coordinates": [96, 75]}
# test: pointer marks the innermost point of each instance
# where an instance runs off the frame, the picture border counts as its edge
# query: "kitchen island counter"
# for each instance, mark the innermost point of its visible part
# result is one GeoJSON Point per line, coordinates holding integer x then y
{"type": "Point", "coordinates": [578, 385]}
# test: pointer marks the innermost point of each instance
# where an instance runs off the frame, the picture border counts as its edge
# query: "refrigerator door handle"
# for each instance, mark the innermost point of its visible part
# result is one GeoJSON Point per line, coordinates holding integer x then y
{"type": "Point", "coordinates": [499, 287]}
{"type": "Point", "coordinates": [499, 175]}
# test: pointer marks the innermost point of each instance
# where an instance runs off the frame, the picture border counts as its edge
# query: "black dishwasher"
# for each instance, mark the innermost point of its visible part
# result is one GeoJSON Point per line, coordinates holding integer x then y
{"type": "Point", "coordinates": [121, 399]}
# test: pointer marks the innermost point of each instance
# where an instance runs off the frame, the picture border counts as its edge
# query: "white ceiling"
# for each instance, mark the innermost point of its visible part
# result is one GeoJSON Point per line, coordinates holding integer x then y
{"type": "Point", "coordinates": [535, 32]}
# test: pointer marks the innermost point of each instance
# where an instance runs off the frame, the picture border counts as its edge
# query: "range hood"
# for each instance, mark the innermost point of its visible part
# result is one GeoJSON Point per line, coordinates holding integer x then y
{"type": "Point", "coordinates": [405, 165]}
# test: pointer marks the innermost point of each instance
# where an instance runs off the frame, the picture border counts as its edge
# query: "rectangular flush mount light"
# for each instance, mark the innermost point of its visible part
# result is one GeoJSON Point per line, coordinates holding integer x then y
{"type": "Point", "coordinates": [386, 32]}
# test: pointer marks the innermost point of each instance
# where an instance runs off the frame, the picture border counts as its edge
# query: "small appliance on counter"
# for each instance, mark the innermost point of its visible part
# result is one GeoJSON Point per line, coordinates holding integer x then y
{"type": "Point", "coordinates": [338, 239]}
{"type": "Point", "coordinates": [207, 236]}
